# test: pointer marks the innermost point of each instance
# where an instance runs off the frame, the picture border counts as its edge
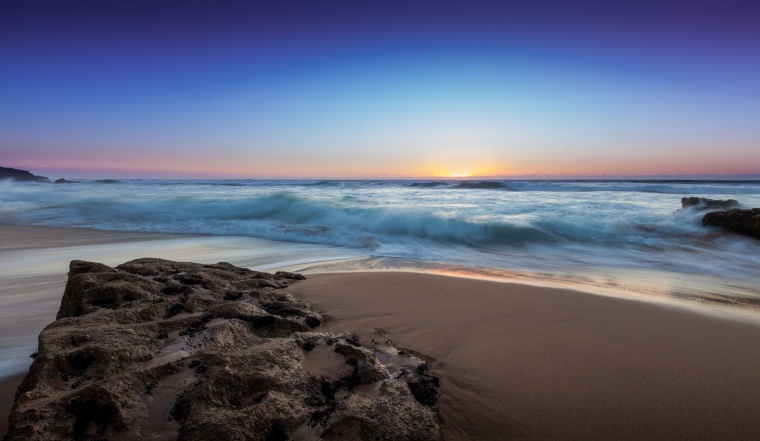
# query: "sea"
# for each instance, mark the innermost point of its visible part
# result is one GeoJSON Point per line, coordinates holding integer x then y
{"type": "Point", "coordinates": [628, 238]}
{"type": "Point", "coordinates": [629, 235]}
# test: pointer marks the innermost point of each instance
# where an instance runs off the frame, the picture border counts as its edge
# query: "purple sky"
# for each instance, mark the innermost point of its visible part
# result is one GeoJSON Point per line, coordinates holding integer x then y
{"type": "Point", "coordinates": [370, 89]}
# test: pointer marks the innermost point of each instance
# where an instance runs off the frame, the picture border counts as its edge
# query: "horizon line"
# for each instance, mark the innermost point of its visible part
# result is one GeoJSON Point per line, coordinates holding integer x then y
{"type": "Point", "coordinates": [196, 175]}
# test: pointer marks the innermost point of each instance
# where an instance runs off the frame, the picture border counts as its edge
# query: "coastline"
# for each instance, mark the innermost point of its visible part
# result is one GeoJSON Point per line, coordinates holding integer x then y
{"type": "Point", "coordinates": [525, 362]}
{"type": "Point", "coordinates": [34, 261]}
{"type": "Point", "coordinates": [33, 266]}
{"type": "Point", "coordinates": [515, 360]}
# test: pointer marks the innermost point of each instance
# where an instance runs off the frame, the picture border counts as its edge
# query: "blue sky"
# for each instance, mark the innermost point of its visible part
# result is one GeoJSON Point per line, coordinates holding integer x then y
{"type": "Point", "coordinates": [353, 89]}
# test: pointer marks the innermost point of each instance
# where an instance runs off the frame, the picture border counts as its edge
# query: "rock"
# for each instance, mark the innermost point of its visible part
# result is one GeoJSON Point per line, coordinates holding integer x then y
{"type": "Point", "coordinates": [740, 221]}
{"type": "Point", "coordinates": [288, 275]}
{"type": "Point", "coordinates": [62, 181]}
{"type": "Point", "coordinates": [162, 350]}
{"type": "Point", "coordinates": [709, 204]}
{"type": "Point", "coordinates": [20, 175]}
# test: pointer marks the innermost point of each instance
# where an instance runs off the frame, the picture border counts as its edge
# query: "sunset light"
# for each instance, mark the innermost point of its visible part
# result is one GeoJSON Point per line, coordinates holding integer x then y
{"type": "Point", "coordinates": [380, 220]}
{"type": "Point", "coordinates": [334, 97]}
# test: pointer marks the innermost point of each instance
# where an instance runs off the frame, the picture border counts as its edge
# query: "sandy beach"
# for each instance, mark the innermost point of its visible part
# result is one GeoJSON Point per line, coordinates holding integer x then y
{"type": "Point", "coordinates": [8, 388]}
{"type": "Point", "coordinates": [525, 362]}
{"type": "Point", "coordinates": [515, 361]}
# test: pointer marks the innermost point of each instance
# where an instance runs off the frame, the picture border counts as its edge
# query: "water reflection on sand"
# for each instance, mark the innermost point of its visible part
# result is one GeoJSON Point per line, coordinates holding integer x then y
{"type": "Point", "coordinates": [34, 262]}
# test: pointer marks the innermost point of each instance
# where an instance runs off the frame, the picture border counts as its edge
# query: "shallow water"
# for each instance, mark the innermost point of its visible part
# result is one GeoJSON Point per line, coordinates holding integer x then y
{"type": "Point", "coordinates": [550, 227]}
{"type": "Point", "coordinates": [32, 281]}
{"type": "Point", "coordinates": [627, 236]}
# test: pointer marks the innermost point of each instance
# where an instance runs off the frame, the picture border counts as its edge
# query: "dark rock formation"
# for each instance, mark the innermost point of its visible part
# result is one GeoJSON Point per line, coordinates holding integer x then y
{"type": "Point", "coordinates": [740, 221]}
{"type": "Point", "coordinates": [709, 204]}
{"type": "Point", "coordinates": [62, 181]}
{"type": "Point", "coordinates": [20, 175]}
{"type": "Point", "coordinates": [161, 350]}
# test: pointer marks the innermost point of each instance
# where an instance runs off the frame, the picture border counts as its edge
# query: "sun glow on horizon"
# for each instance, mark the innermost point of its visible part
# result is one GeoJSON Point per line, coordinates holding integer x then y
{"type": "Point", "coordinates": [465, 171]}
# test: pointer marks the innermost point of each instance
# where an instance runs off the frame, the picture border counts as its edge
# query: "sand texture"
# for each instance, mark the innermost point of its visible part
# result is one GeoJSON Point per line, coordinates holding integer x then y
{"type": "Point", "coordinates": [524, 362]}
{"type": "Point", "coordinates": [516, 361]}
{"type": "Point", "coordinates": [8, 388]}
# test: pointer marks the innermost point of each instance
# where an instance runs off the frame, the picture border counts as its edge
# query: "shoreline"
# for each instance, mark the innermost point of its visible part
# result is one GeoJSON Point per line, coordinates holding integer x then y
{"type": "Point", "coordinates": [698, 298]}
{"type": "Point", "coordinates": [515, 359]}
{"type": "Point", "coordinates": [525, 362]}
{"type": "Point", "coordinates": [34, 261]}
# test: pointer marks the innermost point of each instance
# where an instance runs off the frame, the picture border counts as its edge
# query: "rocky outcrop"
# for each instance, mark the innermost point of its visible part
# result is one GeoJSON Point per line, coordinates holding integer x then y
{"type": "Point", "coordinates": [709, 204]}
{"type": "Point", "coordinates": [161, 350]}
{"type": "Point", "coordinates": [740, 221]}
{"type": "Point", "coordinates": [20, 175]}
{"type": "Point", "coordinates": [63, 181]}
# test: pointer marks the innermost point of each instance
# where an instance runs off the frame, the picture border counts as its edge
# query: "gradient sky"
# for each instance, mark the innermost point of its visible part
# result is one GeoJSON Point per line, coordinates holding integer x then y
{"type": "Point", "coordinates": [379, 88]}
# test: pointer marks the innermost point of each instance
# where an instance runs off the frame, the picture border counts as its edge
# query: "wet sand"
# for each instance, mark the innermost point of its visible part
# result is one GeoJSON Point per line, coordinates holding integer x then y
{"type": "Point", "coordinates": [34, 262]}
{"type": "Point", "coordinates": [33, 267]}
{"type": "Point", "coordinates": [526, 362]}
{"type": "Point", "coordinates": [25, 238]}
{"type": "Point", "coordinates": [8, 388]}
{"type": "Point", "coordinates": [516, 361]}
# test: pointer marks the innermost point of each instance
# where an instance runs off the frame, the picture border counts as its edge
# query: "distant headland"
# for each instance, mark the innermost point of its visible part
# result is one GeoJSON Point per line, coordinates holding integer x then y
{"type": "Point", "coordinates": [25, 176]}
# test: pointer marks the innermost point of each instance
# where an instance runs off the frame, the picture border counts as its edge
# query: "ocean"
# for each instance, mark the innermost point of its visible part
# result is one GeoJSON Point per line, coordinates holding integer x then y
{"type": "Point", "coordinates": [624, 235]}
{"type": "Point", "coordinates": [623, 238]}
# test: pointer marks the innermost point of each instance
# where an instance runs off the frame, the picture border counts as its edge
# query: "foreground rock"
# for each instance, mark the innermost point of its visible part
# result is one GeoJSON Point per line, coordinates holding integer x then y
{"type": "Point", "coordinates": [745, 222]}
{"type": "Point", "coordinates": [709, 204]}
{"type": "Point", "coordinates": [160, 350]}
{"type": "Point", "coordinates": [20, 175]}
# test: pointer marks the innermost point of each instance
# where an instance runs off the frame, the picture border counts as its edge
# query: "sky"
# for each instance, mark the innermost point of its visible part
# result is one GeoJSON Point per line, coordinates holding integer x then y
{"type": "Point", "coordinates": [368, 89]}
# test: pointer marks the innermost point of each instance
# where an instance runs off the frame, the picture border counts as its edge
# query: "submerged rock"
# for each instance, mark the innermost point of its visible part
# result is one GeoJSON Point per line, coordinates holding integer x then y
{"type": "Point", "coordinates": [161, 350]}
{"type": "Point", "coordinates": [709, 204]}
{"type": "Point", "coordinates": [740, 221]}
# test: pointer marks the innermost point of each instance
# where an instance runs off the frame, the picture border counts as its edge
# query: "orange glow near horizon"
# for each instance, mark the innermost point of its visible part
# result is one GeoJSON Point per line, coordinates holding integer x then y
{"type": "Point", "coordinates": [280, 165]}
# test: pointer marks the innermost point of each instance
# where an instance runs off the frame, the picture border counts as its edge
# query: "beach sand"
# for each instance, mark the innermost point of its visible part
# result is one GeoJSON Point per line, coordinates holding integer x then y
{"type": "Point", "coordinates": [8, 388]}
{"type": "Point", "coordinates": [516, 361]}
{"type": "Point", "coordinates": [526, 362]}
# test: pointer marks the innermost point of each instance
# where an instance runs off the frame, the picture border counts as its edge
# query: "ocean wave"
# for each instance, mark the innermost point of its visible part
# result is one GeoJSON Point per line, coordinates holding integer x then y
{"type": "Point", "coordinates": [357, 214]}
{"type": "Point", "coordinates": [483, 185]}
{"type": "Point", "coordinates": [682, 187]}
{"type": "Point", "coordinates": [676, 187]}
{"type": "Point", "coordinates": [280, 215]}
{"type": "Point", "coordinates": [430, 184]}
{"type": "Point", "coordinates": [324, 183]}
{"type": "Point", "coordinates": [533, 225]}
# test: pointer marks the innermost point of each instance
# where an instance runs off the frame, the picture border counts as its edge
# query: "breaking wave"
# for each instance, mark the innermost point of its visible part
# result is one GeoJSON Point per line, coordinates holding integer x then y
{"type": "Point", "coordinates": [626, 223]}
{"type": "Point", "coordinates": [484, 185]}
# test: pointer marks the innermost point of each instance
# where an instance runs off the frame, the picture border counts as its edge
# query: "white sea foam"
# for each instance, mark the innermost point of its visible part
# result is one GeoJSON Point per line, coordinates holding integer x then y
{"type": "Point", "coordinates": [552, 226]}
